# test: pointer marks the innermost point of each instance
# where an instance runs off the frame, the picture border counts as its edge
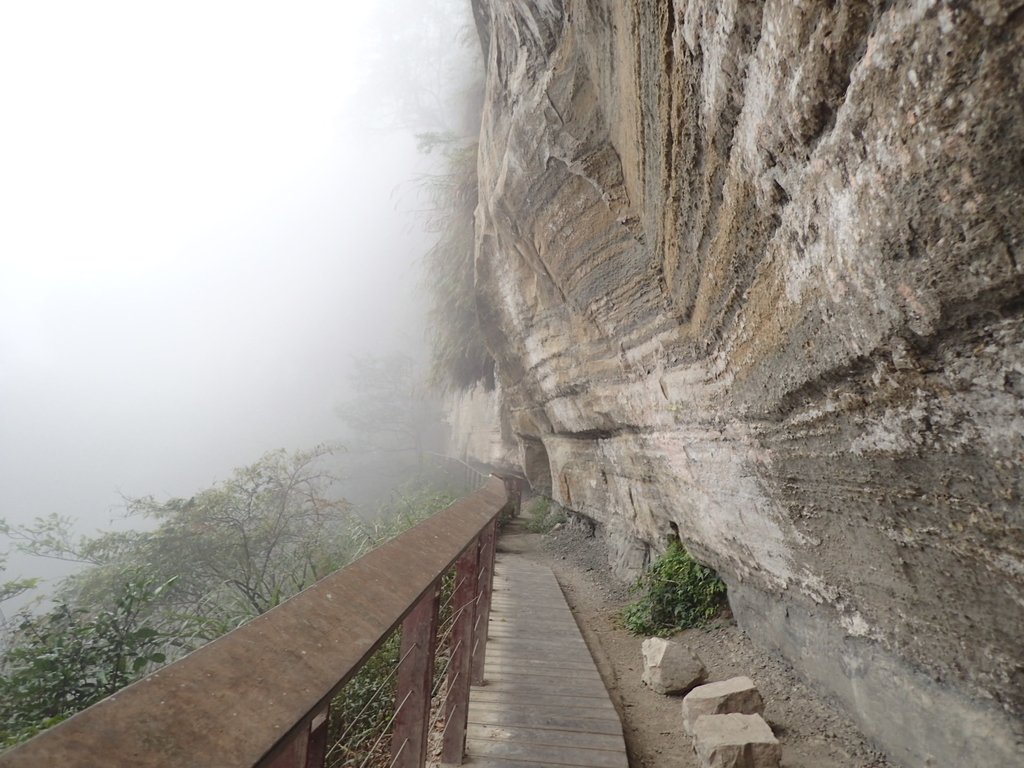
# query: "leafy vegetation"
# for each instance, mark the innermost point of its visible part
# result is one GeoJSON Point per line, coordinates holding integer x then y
{"type": "Point", "coordinates": [675, 592]}
{"type": "Point", "coordinates": [67, 659]}
{"type": "Point", "coordinates": [364, 708]}
{"type": "Point", "coordinates": [390, 405]}
{"type": "Point", "coordinates": [460, 358]}
{"type": "Point", "coordinates": [234, 550]}
{"type": "Point", "coordinates": [211, 562]}
{"type": "Point", "coordinates": [543, 515]}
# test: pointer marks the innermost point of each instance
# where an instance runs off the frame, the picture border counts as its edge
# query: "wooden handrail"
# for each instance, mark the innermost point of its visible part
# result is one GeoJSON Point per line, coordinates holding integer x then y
{"type": "Point", "coordinates": [256, 696]}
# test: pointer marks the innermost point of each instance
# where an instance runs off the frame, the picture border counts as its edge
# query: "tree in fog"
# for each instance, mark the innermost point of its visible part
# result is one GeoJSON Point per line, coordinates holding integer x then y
{"type": "Point", "coordinates": [261, 536]}
{"type": "Point", "coordinates": [213, 560]}
{"type": "Point", "coordinates": [391, 407]}
{"type": "Point", "coordinates": [459, 355]}
{"type": "Point", "coordinates": [233, 551]}
{"type": "Point", "coordinates": [435, 85]}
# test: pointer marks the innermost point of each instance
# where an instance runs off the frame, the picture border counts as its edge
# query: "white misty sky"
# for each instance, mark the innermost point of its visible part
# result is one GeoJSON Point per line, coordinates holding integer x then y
{"type": "Point", "coordinates": [195, 235]}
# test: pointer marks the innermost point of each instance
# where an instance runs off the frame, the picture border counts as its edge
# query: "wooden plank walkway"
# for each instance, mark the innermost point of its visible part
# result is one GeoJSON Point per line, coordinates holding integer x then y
{"type": "Point", "coordinates": [542, 702]}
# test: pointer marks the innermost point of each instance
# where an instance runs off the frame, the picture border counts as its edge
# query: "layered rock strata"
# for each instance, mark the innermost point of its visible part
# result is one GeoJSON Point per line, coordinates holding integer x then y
{"type": "Point", "coordinates": [752, 273]}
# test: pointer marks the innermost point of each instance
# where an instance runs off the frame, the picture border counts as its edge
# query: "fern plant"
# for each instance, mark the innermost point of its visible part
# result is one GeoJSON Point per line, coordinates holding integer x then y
{"type": "Point", "coordinates": [675, 592]}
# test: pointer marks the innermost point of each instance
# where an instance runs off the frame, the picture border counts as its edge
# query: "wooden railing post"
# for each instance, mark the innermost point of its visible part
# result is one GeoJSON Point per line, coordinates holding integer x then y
{"type": "Point", "coordinates": [316, 752]}
{"type": "Point", "coordinates": [294, 754]}
{"type": "Point", "coordinates": [483, 608]}
{"type": "Point", "coordinates": [453, 744]}
{"type": "Point", "coordinates": [415, 680]}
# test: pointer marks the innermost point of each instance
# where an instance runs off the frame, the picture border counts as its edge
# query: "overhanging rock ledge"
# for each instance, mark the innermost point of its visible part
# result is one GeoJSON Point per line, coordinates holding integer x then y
{"type": "Point", "coordinates": [754, 270]}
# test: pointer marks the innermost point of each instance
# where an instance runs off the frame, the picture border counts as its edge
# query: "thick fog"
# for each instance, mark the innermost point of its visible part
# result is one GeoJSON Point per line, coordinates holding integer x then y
{"type": "Point", "coordinates": [207, 210]}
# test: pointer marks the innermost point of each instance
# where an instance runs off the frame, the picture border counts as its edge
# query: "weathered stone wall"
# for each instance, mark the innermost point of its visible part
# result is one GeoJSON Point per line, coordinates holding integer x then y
{"type": "Point", "coordinates": [478, 429]}
{"type": "Point", "coordinates": [754, 269]}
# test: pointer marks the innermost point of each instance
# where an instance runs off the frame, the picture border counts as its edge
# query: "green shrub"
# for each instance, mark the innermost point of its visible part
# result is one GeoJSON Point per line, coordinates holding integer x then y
{"type": "Point", "coordinates": [543, 516]}
{"type": "Point", "coordinates": [675, 592]}
{"type": "Point", "coordinates": [66, 659]}
{"type": "Point", "coordinates": [459, 354]}
{"type": "Point", "coordinates": [55, 664]}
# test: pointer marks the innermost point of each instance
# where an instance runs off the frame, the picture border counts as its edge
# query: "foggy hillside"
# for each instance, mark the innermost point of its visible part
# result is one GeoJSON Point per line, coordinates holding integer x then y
{"type": "Point", "coordinates": [210, 214]}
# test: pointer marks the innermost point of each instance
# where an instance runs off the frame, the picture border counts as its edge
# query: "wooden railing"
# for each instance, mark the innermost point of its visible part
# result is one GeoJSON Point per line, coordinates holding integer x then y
{"type": "Point", "coordinates": [260, 695]}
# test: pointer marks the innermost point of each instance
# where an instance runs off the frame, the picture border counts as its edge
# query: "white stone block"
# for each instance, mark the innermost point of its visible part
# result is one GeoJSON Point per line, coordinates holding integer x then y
{"type": "Point", "coordinates": [735, 741]}
{"type": "Point", "coordinates": [737, 695]}
{"type": "Point", "coordinates": [669, 667]}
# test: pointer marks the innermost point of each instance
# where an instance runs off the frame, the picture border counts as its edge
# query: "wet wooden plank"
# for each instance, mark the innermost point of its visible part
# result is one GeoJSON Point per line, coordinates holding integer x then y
{"type": "Point", "coordinates": [548, 755]}
{"type": "Point", "coordinates": [492, 712]}
{"type": "Point", "coordinates": [550, 737]}
{"type": "Point", "coordinates": [585, 688]}
{"type": "Point", "coordinates": [539, 621]}
{"type": "Point", "coordinates": [521, 642]}
{"type": "Point", "coordinates": [566, 686]}
{"type": "Point", "coordinates": [526, 717]}
{"type": "Point", "coordinates": [536, 639]}
{"type": "Point", "coordinates": [569, 659]}
{"type": "Point", "coordinates": [558, 633]}
{"type": "Point", "coordinates": [538, 631]}
{"type": "Point", "coordinates": [499, 762]}
{"type": "Point", "coordinates": [536, 620]}
{"type": "Point", "coordinates": [575, 664]}
{"type": "Point", "coordinates": [549, 603]}
{"type": "Point", "coordinates": [539, 700]}
{"type": "Point", "coordinates": [526, 672]}
{"type": "Point", "coordinates": [567, 649]}
{"type": "Point", "coordinates": [529, 609]}
{"type": "Point", "coordinates": [538, 659]}
{"type": "Point", "coordinates": [543, 702]}
{"type": "Point", "coordinates": [527, 614]}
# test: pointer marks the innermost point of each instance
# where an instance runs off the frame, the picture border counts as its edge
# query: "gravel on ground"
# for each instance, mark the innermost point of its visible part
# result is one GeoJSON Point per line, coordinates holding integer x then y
{"type": "Point", "coordinates": [812, 731]}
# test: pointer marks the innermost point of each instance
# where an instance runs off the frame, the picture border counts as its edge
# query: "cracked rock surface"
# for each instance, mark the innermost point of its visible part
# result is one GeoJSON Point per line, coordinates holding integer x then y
{"type": "Point", "coordinates": [753, 272]}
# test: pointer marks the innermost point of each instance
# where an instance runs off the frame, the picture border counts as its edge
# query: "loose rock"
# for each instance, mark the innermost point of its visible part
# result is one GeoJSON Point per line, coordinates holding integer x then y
{"type": "Point", "coordinates": [669, 667]}
{"type": "Point", "coordinates": [735, 741]}
{"type": "Point", "coordinates": [737, 695]}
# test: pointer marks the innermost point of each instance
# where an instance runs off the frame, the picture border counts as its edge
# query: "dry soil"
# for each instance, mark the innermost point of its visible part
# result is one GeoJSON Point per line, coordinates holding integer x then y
{"type": "Point", "coordinates": [813, 732]}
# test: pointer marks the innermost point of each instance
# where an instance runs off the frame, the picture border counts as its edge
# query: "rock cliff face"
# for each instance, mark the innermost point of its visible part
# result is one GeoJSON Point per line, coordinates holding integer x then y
{"type": "Point", "coordinates": [753, 270]}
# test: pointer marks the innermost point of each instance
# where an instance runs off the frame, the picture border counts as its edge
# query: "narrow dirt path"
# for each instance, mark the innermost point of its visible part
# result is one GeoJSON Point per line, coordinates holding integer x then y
{"type": "Point", "coordinates": [814, 734]}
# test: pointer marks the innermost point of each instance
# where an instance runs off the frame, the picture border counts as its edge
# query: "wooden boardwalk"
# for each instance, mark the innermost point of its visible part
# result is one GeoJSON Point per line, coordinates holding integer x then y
{"type": "Point", "coordinates": [542, 702]}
